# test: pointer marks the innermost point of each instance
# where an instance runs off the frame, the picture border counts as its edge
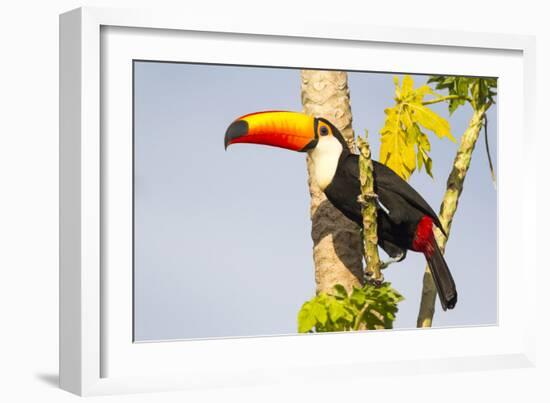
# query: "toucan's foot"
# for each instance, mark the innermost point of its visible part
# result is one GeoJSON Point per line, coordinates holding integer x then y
{"type": "Point", "coordinates": [392, 260]}
{"type": "Point", "coordinates": [377, 282]}
{"type": "Point", "coordinates": [363, 200]}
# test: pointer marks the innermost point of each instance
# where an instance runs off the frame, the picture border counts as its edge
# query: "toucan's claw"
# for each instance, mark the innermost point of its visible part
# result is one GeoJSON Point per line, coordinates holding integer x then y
{"type": "Point", "coordinates": [377, 282]}
{"type": "Point", "coordinates": [398, 258]}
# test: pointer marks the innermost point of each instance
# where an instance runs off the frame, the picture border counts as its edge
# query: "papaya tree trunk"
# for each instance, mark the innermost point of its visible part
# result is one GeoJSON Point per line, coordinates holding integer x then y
{"type": "Point", "coordinates": [455, 183]}
{"type": "Point", "coordinates": [337, 252]}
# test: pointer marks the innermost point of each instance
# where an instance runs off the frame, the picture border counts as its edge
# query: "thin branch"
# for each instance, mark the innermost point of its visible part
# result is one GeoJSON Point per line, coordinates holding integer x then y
{"type": "Point", "coordinates": [493, 177]}
{"type": "Point", "coordinates": [357, 324]}
{"type": "Point", "coordinates": [449, 205]}
{"type": "Point", "coordinates": [445, 98]}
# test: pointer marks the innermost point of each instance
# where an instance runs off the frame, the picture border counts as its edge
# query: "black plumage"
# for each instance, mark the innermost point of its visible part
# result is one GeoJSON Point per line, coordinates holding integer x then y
{"type": "Point", "coordinates": [401, 210]}
{"type": "Point", "coordinates": [404, 205]}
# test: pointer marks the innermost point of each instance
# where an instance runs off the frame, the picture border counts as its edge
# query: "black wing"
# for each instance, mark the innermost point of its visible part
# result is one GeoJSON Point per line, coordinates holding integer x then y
{"type": "Point", "coordinates": [389, 182]}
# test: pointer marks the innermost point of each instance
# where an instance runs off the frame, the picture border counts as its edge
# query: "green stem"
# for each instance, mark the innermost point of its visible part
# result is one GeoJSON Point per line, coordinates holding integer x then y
{"type": "Point", "coordinates": [357, 324]}
{"type": "Point", "coordinates": [493, 177]}
{"type": "Point", "coordinates": [445, 98]}
{"type": "Point", "coordinates": [368, 201]}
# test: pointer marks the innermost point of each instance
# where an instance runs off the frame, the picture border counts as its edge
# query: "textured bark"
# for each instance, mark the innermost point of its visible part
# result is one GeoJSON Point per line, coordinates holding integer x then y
{"type": "Point", "coordinates": [455, 183]}
{"type": "Point", "coordinates": [337, 252]}
{"type": "Point", "coordinates": [368, 201]}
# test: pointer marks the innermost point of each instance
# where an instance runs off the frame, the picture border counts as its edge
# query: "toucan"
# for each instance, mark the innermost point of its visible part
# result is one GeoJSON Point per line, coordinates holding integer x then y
{"type": "Point", "coordinates": [405, 221]}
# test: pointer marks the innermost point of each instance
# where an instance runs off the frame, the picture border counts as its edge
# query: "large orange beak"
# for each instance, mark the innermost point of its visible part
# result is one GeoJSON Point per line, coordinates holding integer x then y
{"type": "Point", "coordinates": [291, 130]}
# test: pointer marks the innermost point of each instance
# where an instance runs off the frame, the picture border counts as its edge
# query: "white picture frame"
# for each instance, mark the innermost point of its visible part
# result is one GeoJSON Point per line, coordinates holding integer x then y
{"type": "Point", "coordinates": [96, 354]}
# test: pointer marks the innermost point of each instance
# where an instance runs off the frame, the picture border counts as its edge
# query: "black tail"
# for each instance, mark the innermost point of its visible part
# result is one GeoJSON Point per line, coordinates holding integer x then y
{"type": "Point", "coordinates": [443, 279]}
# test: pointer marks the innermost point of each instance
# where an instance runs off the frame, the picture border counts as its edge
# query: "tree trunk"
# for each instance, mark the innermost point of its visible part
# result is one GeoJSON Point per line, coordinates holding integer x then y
{"type": "Point", "coordinates": [448, 208]}
{"type": "Point", "coordinates": [337, 252]}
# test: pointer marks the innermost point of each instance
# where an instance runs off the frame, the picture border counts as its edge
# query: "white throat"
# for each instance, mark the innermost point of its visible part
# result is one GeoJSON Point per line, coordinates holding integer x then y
{"type": "Point", "coordinates": [325, 158]}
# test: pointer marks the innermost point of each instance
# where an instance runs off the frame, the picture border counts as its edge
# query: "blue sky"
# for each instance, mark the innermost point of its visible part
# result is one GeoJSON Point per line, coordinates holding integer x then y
{"type": "Point", "coordinates": [222, 239]}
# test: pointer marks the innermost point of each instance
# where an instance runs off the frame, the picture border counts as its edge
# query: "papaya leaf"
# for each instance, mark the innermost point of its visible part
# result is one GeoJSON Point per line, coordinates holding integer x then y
{"type": "Point", "coordinates": [319, 312]}
{"type": "Point", "coordinates": [358, 297]}
{"type": "Point", "coordinates": [400, 136]}
{"type": "Point", "coordinates": [476, 90]}
{"type": "Point", "coordinates": [407, 88]}
{"type": "Point", "coordinates": [340, 291]}
{"type": "Point", "coordinates": [431, 121]}
{"type": "Point", "coordinates": [368, 307]}
{"type": "Point", "coordinates": [306, 319]}
{"type": "Point", "coordinates": [336, 311]}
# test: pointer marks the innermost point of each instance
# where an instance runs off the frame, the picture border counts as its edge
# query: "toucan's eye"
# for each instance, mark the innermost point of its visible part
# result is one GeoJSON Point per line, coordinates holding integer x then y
{"type": "Point", "coordinates": [323, 130]}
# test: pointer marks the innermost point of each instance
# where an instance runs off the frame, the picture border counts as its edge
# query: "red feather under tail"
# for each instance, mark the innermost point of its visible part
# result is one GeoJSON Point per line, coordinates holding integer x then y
{"type": "Point", "coordinates": [425, 242]}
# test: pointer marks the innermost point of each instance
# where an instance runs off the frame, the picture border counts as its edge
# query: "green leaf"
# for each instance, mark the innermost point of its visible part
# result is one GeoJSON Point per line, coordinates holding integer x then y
{"type": "Point", "coordinates": [372, 320]}
{"type": "Point", "coordinates": [341, 290]}
{"type": "Point", "coordinates": [428, 165]}
{"type": "Point", "coordinates": [319, 311]}
{"type": "Point", "coordinates": [462, 86]}
{"type": "Point", "coordinates": [424, 159]}
{"type": "Point", "coordinates": [336, 310]}
{"type": "Point", "coordinates": [479, 90]}
{"type": "Point", "coordinates": [358, 297]}
{"type": "Point", "coordinates": [423, 142]}
{"type": "Point", "coordinates": [368, 307]}
{"type": "Point", "coordinates": [454, 104]}
{"type": "Point", "coordinates": [306, 319]}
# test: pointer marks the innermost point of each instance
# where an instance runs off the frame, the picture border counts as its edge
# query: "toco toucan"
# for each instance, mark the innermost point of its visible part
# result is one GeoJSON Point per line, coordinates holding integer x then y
{"type": "Point", "coordinates": [405, 220]}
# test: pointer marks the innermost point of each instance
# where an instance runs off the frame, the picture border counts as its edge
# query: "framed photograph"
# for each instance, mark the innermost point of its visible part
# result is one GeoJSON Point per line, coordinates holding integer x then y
{"type": "Point", "coordinates": [245, 204]}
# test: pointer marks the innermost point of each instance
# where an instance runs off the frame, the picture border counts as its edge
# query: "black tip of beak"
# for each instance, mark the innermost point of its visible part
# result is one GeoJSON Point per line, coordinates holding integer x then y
{"type": "Point", "coordinates": [235, 130]}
